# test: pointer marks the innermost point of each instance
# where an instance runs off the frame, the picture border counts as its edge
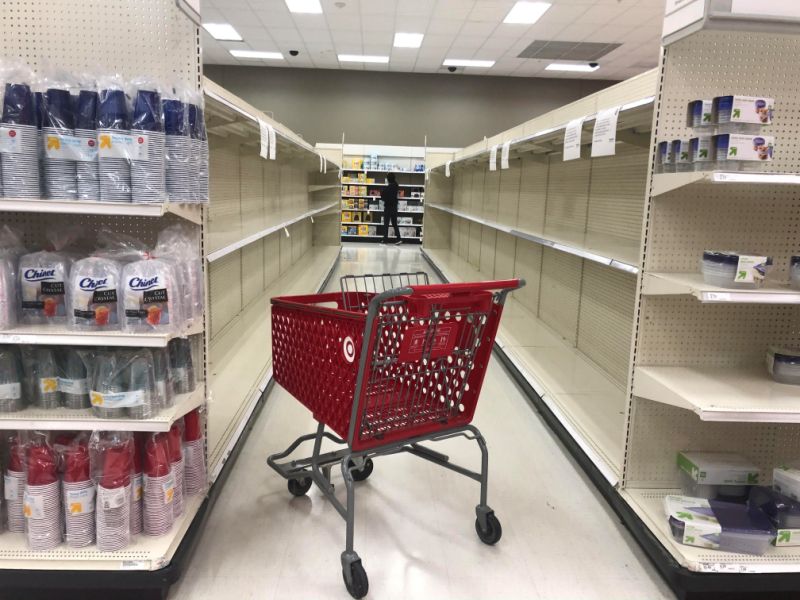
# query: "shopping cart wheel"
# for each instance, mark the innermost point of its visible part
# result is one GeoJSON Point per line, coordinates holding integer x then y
{"type": "Point", "coordinates": [358, 585]}
{"type": "Point", "coordinates": [493, 532]}
{"type": "Point", "coordinates": [299, 487]}
{"type": "Point", "coordinates": [364, 472]}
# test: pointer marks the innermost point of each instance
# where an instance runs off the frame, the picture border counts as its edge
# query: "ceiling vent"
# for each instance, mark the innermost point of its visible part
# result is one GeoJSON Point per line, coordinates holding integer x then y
{"type": "Point", "coordinates": [577, 51]}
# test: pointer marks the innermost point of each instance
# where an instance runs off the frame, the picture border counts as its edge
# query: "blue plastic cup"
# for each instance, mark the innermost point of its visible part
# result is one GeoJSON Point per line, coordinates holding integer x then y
{"type": "Point", "coordinates": [18, 105]}
{"type": "Point", "coordinates": [38, 103]}
{"type": "Point", "coordinates": [194, 122]}
{"type": "Point", "coordinates": [147, 114]}
{"type": "Point", "coordinates": [86, 110]}
{"type": "Point", "coordinates": [112, 110]}
{"type": "Point", "coordinates": [174, 117]}
{"type": "Point", "coordinates": [58, 113]}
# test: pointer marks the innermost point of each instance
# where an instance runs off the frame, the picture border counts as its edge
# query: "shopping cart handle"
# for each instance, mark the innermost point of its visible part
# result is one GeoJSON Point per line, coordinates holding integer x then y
{"type": "Point", "coordinates": [476, 286]}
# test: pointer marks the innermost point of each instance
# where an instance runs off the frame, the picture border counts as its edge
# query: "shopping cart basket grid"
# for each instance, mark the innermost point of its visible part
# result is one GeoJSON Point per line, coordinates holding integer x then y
{"type": "Point", "coordinates": [396, 363]}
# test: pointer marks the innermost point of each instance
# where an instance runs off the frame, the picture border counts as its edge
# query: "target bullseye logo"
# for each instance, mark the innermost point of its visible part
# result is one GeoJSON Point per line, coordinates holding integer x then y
{"type": "Point", "coordinates": [349, 349]}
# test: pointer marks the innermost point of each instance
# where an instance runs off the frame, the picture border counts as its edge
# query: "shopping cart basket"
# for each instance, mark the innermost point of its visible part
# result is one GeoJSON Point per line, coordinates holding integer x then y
{"type": "Point", "coordinates": [387, 363]}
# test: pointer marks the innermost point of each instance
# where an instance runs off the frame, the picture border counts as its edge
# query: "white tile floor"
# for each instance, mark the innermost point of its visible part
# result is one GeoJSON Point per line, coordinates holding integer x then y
{"type": "Point", "coordinates": [415, 522]}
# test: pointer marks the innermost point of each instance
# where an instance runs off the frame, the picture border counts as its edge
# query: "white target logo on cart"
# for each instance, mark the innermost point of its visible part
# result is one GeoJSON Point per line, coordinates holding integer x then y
{"type": "Point", "coordinates": [349, 349]}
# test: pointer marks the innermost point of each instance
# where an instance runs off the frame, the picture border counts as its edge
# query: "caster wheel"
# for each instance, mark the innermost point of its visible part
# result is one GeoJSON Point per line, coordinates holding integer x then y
{"type": "Point", "coordinates": [493, 532]}
{"type": "Point", "coordinates": [359, 585]}
{"type": "Point", "coordinates": [299, 487]}
{"type": "Point", "coordinates": [364, 472]}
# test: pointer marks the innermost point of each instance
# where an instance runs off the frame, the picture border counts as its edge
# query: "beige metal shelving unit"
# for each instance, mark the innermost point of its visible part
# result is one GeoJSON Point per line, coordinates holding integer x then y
{"type": "Point", "coordinates": [633, 354]}
{"type": "Point", "coordinates": [272, 229]}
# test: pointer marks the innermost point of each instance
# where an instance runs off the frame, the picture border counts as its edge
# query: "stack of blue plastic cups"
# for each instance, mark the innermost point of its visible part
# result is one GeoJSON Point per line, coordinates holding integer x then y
{"type": "Point", "coordinates": [178, 151]}
{"type": "Point", "coordinates": [59, 119]}
{"type": "Point", "coordinates": [87, 172]}
{"type": "Point", "coordinates": [114, 171]}
{"type": "Point", "coordinates": [147, 172]}
{"type": "Point", "coordinates": [20, 167]}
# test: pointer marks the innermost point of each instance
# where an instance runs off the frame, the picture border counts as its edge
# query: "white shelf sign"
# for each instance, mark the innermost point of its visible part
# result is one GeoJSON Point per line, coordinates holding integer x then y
{"type": "Point", "coordinates": [264, 151]}
{"type": "Point", "coordinates": [572, 139]}
{"type": "Point", "coordinates": [504, 155]}
{"type": "Point", "coordinates": [447, 168]}
{"type": "Point", "coordinates": [773, 8]}
{"type": "Point", "coordinates": [493, 158]}
{"type": "Point", "coordinates": [604, 138]}
{"type": "Point", "coordinates": [682, 13]}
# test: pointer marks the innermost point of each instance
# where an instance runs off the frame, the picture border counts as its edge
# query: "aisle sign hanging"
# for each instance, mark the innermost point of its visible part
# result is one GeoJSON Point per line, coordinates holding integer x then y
{"type": "Point", "coordinates": [604, 138]}
{"type": "Point", "coordinates": [572, 139]}
{"type": "Point", "coordinates": [504, 155]}
{"type": "Point", "coordinates": [447, 168]}
{"type": "Point", "coordinates": [262, 128]}
{"type": "Point", "coordinates": [493, 158]}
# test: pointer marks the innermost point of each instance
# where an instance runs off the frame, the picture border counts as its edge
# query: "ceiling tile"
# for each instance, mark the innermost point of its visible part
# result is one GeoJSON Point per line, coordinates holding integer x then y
{"type": "Point", "coordinates": [490, 10]}
{"type": "Point", "coordinates": [285, 35]}
{"type": "Point", "coordinates": [310, 22]}
{"type": "Point", "coordinates": [478, 28]}
{"type": "Point", "coordinates": [275, 18]}
{"type": "Point", "coordinates": [453, 9]}
{"type": "Point", "coordinates": [377, 49]}
{"type": "Point", "coordinates": [444, 26]}
{"type": "Point", "coordinates": [378, 37]}
{"type": "Point", "coordinates": [379, 7]}
{"type": "Point", "coordinates": [344, 22]}
{"type": "Point", "coordinates": [378, 22]}
{"type": "Point", "coordinates": [414, 7]}
{"type": "Point", "coordinates": [351, 7]}
{"type": "Point", "coordinates": [438, 41]}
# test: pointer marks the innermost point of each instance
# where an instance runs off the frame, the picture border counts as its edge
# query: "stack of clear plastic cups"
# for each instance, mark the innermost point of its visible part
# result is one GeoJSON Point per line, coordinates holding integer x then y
{"type": "Point", "coordinates": [163, 382]}
{"type": "Point", "coordinates": [794, 272]}
{"type": "Point", "coordinates": [42, 497]}
{"type": "Point", "coordinates": [20, 166]}
{"type": "Point", "coordinates": [112, 462]}
{"type": "Point", "coordinates": [42, 281]}
{"type": "Point", "coordinates": [142, 384]}
{"type": "Point", "coordinates": [46, 371]}
{"type": "Point", "coordinates": [14, 479]}
{"type": "Point", "coordinates": [8, 294]}
{"type": "Point", "coordinates": [147, 172]}
{"type": "Point", "coordinates": [194, 461]}
{"type": "Point", "coordinates": [10, 380]}
{"type": "Point", "coordinates": [196, 151]}
{"type": "Point", "coordinates": [137, 485]}
{"type": "Point", "coordinates": [93, 299]}
{"type": "Point", "coordinates": [59, 171]}
{"type": "Point", "coordinates": [181, 367]}
{"type": "Point", "coordinates": [79, 495]}
{"type": "Point", "coordinates": [88, 176]}
{"type": "Point", "coordinates": [159, 486]}
{"type": "Point", "coordinates": [115, 170]}
{"type": "Point", "coordinates": [151, 297]}
{"type": "Point", "coordinates": [73, 382]}
{"type": "Point", "coordinates": [175, 441]}
{"type": "Point", "coordinates": [178, 151]}
{"type": "Point", "coordinates": [107, 379]}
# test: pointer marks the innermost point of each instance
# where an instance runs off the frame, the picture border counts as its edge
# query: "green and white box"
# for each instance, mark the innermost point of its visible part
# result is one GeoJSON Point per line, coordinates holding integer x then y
{"type": "Point", "coordinates": [713, 474]}
{"type": "Point", "coordinates": [786, 480]}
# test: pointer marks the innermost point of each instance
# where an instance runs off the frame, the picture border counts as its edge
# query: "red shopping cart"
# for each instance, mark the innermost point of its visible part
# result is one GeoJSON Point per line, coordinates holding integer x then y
{"type": "Point", "coordinates": [387, 363]}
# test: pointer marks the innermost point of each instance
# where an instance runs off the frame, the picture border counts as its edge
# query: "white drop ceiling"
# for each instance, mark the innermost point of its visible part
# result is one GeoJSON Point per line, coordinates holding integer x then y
{"type": "Point", "coordinates": [462, 29]}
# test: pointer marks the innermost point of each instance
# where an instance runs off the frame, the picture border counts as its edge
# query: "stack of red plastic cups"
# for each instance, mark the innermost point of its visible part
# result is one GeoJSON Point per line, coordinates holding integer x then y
{"type": "Point", "coordinates": [79, 494]}
{"type": "Point", "coordinates": [159, 486]}
{"type": "Point", "coordinates": [14, 485]}
{"type": "Point", "coordinates": [175, 439]}
{"type": "Point", "coordinates": [42, 497]}
{"type": "Point", "coordinates": [114, 456]}
{"type": "Point", "coordinates": [137, 485]}
{"type": "Point", "coordinates": [194, 459]}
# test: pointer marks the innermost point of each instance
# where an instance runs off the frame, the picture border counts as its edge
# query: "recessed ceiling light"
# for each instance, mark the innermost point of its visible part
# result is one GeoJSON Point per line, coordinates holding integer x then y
{"type": "Point", "coordinates": [304, 6]}
{"type": "Point", "coordinates": [457, 62]}
{"type": "Point", "coordinates": [222, 31]}
{"type": "Point", "coordinates": [256, 54]}
{"type": "Point", "coordinates": [575, 67]}
{"type": "Point", "coordinates": [363, 58]}
{"type": "Point", "coordinates": [526, 13]}
{"type": "Point", "coordinates": [408, 40]}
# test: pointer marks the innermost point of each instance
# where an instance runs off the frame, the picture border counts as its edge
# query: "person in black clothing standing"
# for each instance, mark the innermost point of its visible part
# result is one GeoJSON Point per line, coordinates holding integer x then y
{"type": "Point", "coordinates": [389, 197]}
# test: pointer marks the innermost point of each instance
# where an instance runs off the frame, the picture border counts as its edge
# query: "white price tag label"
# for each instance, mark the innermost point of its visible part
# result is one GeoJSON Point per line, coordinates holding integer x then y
{"type": "Point", "coordinates": [604, 137]}
{"type": "Point", "coordinates": [111, 499]}
{"type": "Point", "coordinates": [69, 147]}
{"type": "Point", "coordinates": [493, 158]}
{"type": "Point", "coordinates": [11, 487]}
{"type": "Point", "coordinates": [10, 391]}
{"type": "Point", "coordinates": [117, 400]}
{"type": "Point", "coordinates": [73, 386]}
{"type": "Point", "coordinates": [273, 142]}
{"type": "Point", "coordinates": [14, 139]}
{"type": "Point", "coordinates": [447, 168]}
{"type": "Point", "coordinates": [79, 502]}
{"type": "Point", "coordinates": [122, 145]}
{"type": "Point", "coordinates": [572, 139]}
{"type": "Point", "coordinates": [33, 506]}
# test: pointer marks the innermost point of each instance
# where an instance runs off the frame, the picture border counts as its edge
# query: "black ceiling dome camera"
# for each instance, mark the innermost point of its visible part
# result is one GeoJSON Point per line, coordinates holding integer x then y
{"type": "Point", "coordinates": [451, 69]}
{"type": "Point", "coordinates": [294, 52]}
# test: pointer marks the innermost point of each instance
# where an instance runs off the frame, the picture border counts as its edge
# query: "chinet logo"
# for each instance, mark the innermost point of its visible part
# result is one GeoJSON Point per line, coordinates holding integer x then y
{"type": "Point", "coordinates": [137, 283]}
{"type": "Point", "coordinates": [89, 284]}
{"type": "Point", "coordinates": [39, 274]}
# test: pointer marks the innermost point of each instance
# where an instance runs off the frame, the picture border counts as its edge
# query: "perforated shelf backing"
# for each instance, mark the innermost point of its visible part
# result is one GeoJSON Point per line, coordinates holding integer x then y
{"type": "Point", "coordinates": [100, 36]}
{"type": "Point", "coordinates": [661, 430]}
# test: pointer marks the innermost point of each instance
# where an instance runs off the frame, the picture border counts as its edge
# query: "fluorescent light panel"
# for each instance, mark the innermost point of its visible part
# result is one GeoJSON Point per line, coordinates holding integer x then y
{"type": "Point", "coordinates": [304, 6]}
{"type": "Point", "coordinates": [408, 40]}
{"type": "Point", "coordinates": [222, 31]}
{"type": "Point", "coordinates": [363, 58]}
{"type": "Point", "coordinates": [257, 54]}
{"type": "Point", "coordinates": [574, 67]}
{"type": "Point", "coordinates": [457, 62]}
{"type": "Point", "coordinates": [526, 13]}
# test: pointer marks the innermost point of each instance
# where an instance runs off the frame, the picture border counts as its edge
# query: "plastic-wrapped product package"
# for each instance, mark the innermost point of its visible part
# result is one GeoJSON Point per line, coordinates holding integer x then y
{"type": "Point", "coordinates": [93, 296]}
{"type": "Point", "coordinates": [59, 162]}
{"type": "Point", "coordinates": [115, 143]}
{"type": "Point", "coordinates": [79, 491]}
{"type": "Point", "coordinates": [199, 148]}
{"type": "Point", "coordinates": [163, 379]}
{"type": "Point", "coordinates": [108, 384]}
{"type": "Point", "coordinates": [195, 478]}
{"type": "Point", "coordinates": [87, 170]}
{"type": "Point", "coordinates": [42, 280]}
{"type": "Point", "coordinates": [181, 365]}
{"type": "Point", "coordinates": [73, 379]}
{"type": "Point", "coordinates": [151, 297]}
{"type": "Point", "coordinates": [180, 243]}
{"type": "Point", "coordinates": [111, 455]}
{"type": "Point", "coordinates": [141, 384]}
{"type": "Point", "coordinates": [14, 479]}
{"type": "Point", "coordinates": [178, 149]}
{"type": "Point", "coordinates": [19, 135]}
{"type": "Point", "coordinates": [11, 376]}
{"type": "Point", "coordinates": [137, 483]}
{"type": "Point", "coordinates": [148, 182]}
{"type": "Point", "coordinates": [46, 373]}
{"type": "Point", "coordinates": [42, 501]}
{"type": "Point", "coordinates": [11, 248]}
{"type": "Point", "coordinates": [159, 485]}
{"type": "Point", "coordinates": [175, 441]}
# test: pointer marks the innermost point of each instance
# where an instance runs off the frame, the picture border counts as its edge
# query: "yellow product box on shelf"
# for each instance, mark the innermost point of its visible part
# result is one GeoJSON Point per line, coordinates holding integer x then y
{"type": "Point", "coordinates": [370, 180]}
{"type": "Point", "coordinates": [363, 230]}
{"type": "Point", "coordinates": [362, 177]}
{"type": "Point", "coordinates": [345, 179]}
{"type": "Point", "coordinates": [347, 216]}
{"type": "Point", "coordinates": [362, 190]}
{"type": "Point", "coordinates": [344, 229]}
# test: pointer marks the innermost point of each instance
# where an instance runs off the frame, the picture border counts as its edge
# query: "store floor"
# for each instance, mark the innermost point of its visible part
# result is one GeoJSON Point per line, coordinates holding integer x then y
{"type": "Point", "coordinates": [415, 522]}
